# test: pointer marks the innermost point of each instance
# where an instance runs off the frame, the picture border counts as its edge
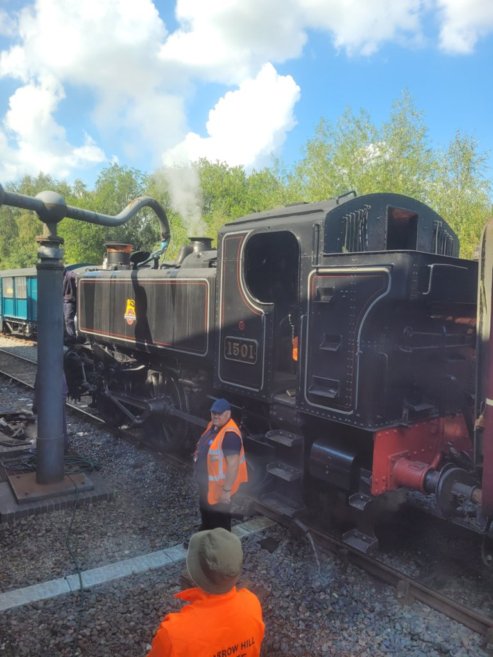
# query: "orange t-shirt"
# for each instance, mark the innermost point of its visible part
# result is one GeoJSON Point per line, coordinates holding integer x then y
{"type": "Point", "coordinates": [226, 625]}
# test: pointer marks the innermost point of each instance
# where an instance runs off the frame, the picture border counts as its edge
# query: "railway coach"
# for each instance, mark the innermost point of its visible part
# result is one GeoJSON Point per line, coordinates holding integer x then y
{"type": "Point", "coordinates": [19, 299]}
{"type": "Point", "coordinates": [19, 302]}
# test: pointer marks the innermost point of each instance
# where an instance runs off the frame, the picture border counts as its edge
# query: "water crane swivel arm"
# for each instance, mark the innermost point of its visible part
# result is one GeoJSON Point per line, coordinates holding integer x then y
{"type": "Point", "coordinates": [51, 208]}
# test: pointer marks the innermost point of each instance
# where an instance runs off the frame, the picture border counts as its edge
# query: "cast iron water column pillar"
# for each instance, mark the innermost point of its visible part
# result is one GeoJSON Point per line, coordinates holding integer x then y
{"type": "Point", "coordinates": [49, 381]}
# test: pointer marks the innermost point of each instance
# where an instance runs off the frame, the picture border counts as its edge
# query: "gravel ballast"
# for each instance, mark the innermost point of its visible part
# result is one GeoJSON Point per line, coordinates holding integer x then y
{"type": "Point", "coordinates": [333, 609]}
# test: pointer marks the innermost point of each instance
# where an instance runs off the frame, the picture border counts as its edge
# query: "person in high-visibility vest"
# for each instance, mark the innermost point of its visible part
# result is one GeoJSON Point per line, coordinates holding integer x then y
{"type": "Point", "coordinates": [219, 619]}
{"type": "Point", "coordinates": [220, 466]}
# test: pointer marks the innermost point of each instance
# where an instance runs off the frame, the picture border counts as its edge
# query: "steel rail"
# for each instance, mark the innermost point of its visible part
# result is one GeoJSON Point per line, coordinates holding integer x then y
{"type": "Point", "coordinates": [407, 588]}
{"type": "Point", "coordinates": [126, 434]}
{"type": "Point", "coordinates": [18, 356]}
{"type": "Point", "coordinates": [15, 377]}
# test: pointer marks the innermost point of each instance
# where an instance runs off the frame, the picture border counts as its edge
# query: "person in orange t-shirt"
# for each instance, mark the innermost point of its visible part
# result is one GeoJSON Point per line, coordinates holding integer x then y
{"type": "Point", "coordinates": [219, 619]}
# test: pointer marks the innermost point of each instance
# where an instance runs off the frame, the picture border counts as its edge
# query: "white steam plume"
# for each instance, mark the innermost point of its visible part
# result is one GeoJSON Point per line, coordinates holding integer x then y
{"type": "Point", "coordinates": [183, 185]}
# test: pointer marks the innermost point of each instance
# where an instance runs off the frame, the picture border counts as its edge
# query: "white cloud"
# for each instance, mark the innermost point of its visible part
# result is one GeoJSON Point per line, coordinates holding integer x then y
{"type": "Point", "coordinates": [40, 143]}
{"type": "Point", "coordinates": [246, 125]}
{"type": "Point", "coordinates": [141, 79]}
{"type": "Point", "coordinates": [361, 27]}
{"type": "Point", "coordinates": [108, 48]}
{"type": "Point", "coordinates": [464, 22]}
{"type": "Point", "coordinates": [94, 43]}
{"type": "Point", "coordinates": [228, 40]}
{"type": "Point", "coordinates": [13, 63]}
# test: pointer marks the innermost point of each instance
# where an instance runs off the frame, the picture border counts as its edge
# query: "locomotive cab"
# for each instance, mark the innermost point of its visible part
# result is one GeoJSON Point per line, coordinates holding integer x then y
{"type": "Point", "coordinates": [271, 266]}
{"type": "Point", "coordinates": [260, 303]}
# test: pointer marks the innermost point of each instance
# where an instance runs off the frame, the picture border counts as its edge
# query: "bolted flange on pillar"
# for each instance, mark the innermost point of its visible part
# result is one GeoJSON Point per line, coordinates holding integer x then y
{"type": "Point", "coordinates": [49, 381]}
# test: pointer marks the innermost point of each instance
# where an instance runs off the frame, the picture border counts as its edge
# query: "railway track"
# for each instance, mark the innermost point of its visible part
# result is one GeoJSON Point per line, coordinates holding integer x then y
{"type": "Point", "coordinates": [18, 368]}
{"type": "Point", "coordinates": [407, 588]}
{"type": "Point", "coordinates": [22, 369]}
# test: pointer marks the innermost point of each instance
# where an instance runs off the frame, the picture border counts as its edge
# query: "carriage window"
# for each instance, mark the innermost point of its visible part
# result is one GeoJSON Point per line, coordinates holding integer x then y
{"type": "Point", "coordinates": [8, 287]}
{"type": "Point", "coordinates": [21, 287]}
{"type": "Point", "coordinates": [271, 267]}
{"type": "Point", "coordinates": [402, 230]}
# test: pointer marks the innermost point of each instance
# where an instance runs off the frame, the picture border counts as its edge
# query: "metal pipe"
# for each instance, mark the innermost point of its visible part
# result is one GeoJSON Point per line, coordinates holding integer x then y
{"type": "Point", "coordinates": [51, 207]}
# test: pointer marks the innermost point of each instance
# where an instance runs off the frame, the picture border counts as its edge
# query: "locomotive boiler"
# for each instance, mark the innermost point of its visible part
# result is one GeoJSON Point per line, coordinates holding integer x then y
{"type": "Point", "coordinates": [343, 332]}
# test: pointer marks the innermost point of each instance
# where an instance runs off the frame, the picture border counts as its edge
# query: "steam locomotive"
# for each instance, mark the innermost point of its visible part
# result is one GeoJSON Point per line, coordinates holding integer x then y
{"type": "Point", "coordinates": [343, 332]}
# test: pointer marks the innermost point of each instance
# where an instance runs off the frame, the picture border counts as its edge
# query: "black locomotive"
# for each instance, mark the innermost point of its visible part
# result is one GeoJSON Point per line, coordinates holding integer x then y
{"type": "Point", "coordinates": [343, 332]}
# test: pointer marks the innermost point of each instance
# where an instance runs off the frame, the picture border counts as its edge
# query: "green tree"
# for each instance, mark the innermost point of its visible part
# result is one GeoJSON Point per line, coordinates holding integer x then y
{"type": "Point", "coordinates": [83, 242]}
{"type": "Point", "coordinates": [224, 193]}
{"type": "Point", "coordinates": [266, 189]}
{"type": "Point", "coordinates": [397, 157]}
{"type": "Point", "coordinates": [352, 154]}
{"type": "Point", "coordinates": [19, 228]}
{"type": "Point", "coordinates": [9, 233]}
{"type": "Point", "coordinates": [115, 188]}
{"type": "Point", "coordinates": [336, 158]}
{"type": "Point", "coordinates": [230, 192]}
{"type": "Point", "coordinates": [357, 155]}
{"type": "Point", "coordinates": [462, 194]}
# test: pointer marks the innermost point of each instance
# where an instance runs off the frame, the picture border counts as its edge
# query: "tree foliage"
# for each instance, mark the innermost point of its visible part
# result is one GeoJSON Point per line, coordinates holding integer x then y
{"type": "Point", "coordinates": [356, 155]}
{"type": "Point", "coordinates": [462, 192]}
{"type": "Point", "coordinates": [352, 154]}
{"type": "Point", "coordinates": [230, 192]}
{"type": "Point", "coordinates": [19, 228]}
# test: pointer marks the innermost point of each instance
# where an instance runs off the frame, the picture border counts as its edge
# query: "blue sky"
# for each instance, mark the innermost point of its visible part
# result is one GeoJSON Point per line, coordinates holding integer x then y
{"type": "Point", "coordinates": [150, 84]}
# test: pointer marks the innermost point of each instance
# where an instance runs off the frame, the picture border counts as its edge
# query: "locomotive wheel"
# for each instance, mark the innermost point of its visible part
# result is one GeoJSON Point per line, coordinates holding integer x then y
{"type": "Point", "coordinates": [171, 433]}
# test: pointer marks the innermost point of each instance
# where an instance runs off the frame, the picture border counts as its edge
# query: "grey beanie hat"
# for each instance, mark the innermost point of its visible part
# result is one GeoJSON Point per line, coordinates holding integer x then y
{"type": "Point", "coordinates": [214, 560]}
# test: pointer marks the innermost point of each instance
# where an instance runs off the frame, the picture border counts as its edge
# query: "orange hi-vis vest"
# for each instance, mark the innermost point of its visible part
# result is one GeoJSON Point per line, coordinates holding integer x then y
{"type": "Point", "coordinates": [211, 626]}
{"type": "Point", "coordinates": [216, 463]}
